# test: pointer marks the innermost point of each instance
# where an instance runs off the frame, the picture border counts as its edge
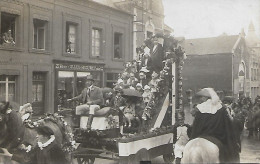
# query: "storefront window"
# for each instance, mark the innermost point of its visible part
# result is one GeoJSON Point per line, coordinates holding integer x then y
{"type": "Point", "coordinates": [71, 84]}
{"type": "Point", "coordinates": [7, 88]}
{"type": "Point", "coordinates": [111, 79]}
{"type": "Point", "coordinates": [81, 80]}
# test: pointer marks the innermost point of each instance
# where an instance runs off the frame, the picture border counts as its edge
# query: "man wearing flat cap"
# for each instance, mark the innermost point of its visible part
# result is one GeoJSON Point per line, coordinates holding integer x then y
{"type": "Point", "coordinates": [92, 99]}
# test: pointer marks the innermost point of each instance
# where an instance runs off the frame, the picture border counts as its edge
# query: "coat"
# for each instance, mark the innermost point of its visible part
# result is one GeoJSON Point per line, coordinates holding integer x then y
{"type": "Point", "coordinates": [220, 127]}
{"type": "Point", "coordinates": [157, 57]}
{"type": "Point", "coordinates": [95, 96]}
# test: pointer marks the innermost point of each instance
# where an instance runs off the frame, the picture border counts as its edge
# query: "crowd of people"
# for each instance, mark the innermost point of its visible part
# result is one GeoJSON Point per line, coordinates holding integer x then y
{"type": "Point", "coordinates": [142, 76]}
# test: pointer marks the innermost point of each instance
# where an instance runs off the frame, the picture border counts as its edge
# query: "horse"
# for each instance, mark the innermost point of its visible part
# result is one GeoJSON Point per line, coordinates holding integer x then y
{"type": "Point", "coordinates": [39, 145]}
{"type": "Point", "coordinates": [202, 150]}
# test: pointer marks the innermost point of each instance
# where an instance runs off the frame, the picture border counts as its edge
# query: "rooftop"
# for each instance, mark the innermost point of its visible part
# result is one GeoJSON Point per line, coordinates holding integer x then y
{"type": "Point", "coordinates": [214, 45]}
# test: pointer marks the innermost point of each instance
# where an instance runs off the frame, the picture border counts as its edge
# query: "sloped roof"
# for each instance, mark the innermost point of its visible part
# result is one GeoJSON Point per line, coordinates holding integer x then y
{"type": "Point", "coordinates": [168, 28]}
{"type": "Point", "coordinates": [214, 45]}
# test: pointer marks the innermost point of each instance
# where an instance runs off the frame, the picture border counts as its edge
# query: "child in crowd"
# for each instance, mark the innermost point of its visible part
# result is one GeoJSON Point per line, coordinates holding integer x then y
{"type": "Point", "coordinates": [147, 94]}
{"type": "Point", "coordinates": [139, 88]}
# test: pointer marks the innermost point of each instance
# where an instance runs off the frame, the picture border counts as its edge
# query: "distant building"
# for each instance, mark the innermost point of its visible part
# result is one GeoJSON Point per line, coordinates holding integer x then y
{"type": "Point", "coordinates": [222, 63]}
{"type": "Point", "coordinates": [48, 47]}
{"type": "Point", "coordinates": [253, 44]}
{"type": "Point", "coordinates": [148, 17]}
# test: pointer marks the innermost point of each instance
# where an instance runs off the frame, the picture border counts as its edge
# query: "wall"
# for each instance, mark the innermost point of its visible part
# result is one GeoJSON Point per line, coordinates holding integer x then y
{"type": "Point", "coordinates": [22, 60]}
{"type": "Point", "coordinates": [212, 70]}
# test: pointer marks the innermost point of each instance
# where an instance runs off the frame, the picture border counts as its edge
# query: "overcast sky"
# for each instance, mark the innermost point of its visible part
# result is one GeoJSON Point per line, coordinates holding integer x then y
{"type": "Point", "coordinates": [206, 18]}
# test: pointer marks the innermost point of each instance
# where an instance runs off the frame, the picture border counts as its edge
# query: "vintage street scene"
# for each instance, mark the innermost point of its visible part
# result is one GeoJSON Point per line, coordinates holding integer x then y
{"type": "Point", "coordinates": [129, 81]}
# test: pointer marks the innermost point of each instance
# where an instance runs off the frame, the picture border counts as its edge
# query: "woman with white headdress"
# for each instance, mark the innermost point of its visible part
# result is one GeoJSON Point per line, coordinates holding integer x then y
{"type": "Point", "coordinates": [212, 122]}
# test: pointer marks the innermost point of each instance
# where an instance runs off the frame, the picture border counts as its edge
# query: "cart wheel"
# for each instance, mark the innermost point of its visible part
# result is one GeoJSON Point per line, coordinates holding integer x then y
{"type": "Point", "coordinates": [85, 160]}
{"type": "Point", "coordinates": [168, 158]}
{"type": "Point", "coordinates": [141, 155]}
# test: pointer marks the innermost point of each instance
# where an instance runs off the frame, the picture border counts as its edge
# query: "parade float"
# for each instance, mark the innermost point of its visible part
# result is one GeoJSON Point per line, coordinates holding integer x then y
{"type": "Point", "coordinates": [151, 133]}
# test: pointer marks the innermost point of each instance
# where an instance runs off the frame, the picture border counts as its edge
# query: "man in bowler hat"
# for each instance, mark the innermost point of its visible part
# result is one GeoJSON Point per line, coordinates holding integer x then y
{"type": "Point", "coordinates": [92, 99]}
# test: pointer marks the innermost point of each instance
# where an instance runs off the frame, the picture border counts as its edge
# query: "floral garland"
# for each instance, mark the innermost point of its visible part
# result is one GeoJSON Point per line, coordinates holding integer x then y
{"type": "Point", "coordinates": [69, 143]}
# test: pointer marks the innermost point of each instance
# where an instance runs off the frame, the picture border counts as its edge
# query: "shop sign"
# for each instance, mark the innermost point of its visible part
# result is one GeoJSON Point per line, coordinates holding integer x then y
{"type": "Point", "coordinates": [79, 67]}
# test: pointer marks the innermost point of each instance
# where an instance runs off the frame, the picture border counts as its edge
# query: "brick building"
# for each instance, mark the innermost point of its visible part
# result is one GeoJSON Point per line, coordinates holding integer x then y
{"type": "Point", "coordinates": [253, 44]}
{"type": "Point", "coordinates": [48, 46]}
{"type": "Point", "coordinates": [220, 62]}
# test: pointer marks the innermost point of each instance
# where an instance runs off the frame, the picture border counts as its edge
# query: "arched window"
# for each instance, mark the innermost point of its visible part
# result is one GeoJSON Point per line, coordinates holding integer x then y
{"type": "Point", "coordinates": [149, 28]}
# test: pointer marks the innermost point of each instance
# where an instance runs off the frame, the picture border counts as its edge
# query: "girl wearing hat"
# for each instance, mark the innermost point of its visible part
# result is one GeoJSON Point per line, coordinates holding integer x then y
{"type": "Point", "coordinates": [139, 88]}
{"type": "Point", "coordinates": [213, 123]}
{"type": "Point", "coordinates": [147, 94]}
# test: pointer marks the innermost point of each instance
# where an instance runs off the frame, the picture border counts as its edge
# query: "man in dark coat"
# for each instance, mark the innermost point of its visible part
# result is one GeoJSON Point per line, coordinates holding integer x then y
{"type": "Point", "coordinates": [157, 55]}
{"type": "Point", "coordinates": [92, 99]}
{"type": "Point", "coordinates": [213, 123]}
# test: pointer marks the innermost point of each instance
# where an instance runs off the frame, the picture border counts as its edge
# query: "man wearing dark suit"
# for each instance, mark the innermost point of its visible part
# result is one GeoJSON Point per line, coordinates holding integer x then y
{"type": "Point", "coordinates": [92, 99]}
{"type": "Point", "coordinates": [157, 56]}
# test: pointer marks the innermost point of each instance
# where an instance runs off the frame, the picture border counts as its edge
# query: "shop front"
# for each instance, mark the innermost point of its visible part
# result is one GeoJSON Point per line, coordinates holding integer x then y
{"type": "Point", "coordinates": [70, 78]}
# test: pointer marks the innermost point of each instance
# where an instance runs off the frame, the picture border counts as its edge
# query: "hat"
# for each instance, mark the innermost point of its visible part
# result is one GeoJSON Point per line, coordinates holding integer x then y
{"type": "Point", "coordinates": [155, 74]}
{"type": "Point", "coordinates": [144, 69]}
{"type": "Point", "coordinates": [146, 87]}
{"type": "Point", "coordinates": [203, 92]}
{"type": "Point", "coordinates": [139, 85]}
{"type": "Point", "coordinates": [119, 81]}
{"type": "Point", "coordinates": [118, 89]}
{"type": "Point", "coordinates": [212, 105]}
{"type": "Point", "coordinates": [90, 77]}
{"type": "Point", "coordinates": [27, 105]}
{"type": "Point", "coordinates": [141, 73]}
{"type": "Point", "coordinates": [228, 99]}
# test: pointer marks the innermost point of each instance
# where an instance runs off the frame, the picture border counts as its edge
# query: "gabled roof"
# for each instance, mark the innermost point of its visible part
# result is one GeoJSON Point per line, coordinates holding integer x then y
{"type": "Point", "coordinates": [214, 45]}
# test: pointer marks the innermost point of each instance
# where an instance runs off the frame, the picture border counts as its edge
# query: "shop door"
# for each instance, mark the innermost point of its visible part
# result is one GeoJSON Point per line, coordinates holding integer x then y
{"type": "Point", "coordinates": [38, 91]}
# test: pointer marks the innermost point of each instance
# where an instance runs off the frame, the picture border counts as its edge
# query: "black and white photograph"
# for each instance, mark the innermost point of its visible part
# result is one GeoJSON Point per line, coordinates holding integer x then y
{"type": "Point", "coordinates": [129, 81]}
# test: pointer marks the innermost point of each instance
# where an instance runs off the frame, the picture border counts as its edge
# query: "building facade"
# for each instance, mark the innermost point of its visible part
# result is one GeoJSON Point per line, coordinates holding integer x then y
{"type": "Point", "coordinates": [48, 47]}
{"type": "Point", "coordinates": [148, 17]}
{"type": "Point", "coordinates": [253, 44]}
{"type": "Point", "coordinates": [222, 63]}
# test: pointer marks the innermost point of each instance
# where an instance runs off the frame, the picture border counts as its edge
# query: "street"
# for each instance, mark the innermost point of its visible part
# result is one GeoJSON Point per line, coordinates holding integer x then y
{"type": "Point", "coordinates": [250, 152]}
{"type": "Point", "coordinates": [250, 147]}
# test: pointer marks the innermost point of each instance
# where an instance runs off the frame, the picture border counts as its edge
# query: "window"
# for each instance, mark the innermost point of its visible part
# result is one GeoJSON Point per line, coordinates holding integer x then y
{"type": "Point", "coordinates": [71, 37]}
{"type": "Point", "coordinates": [111, 79]}
{"type": "Point", "coordinates": [96, 42]}
{"type": "Point", "coordinates": [149, 34]}
{"type": "Point", "coordinates": [118, 45]}
{"type": "Point", "coordinates": [71, 84]}
{"type": "Point", "coordinates": [7, 88]}
{"type": "Point", "coordinates": [38, 92]}
{"type": "Point", "coordinates": [8, 29]}
{"type": "Point", "coordinates": [39, 34]}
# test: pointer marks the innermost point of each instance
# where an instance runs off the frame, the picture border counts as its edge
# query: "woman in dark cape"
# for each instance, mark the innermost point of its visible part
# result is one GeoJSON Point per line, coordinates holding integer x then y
{"type": "Point", "coordinates": [213, 123]}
